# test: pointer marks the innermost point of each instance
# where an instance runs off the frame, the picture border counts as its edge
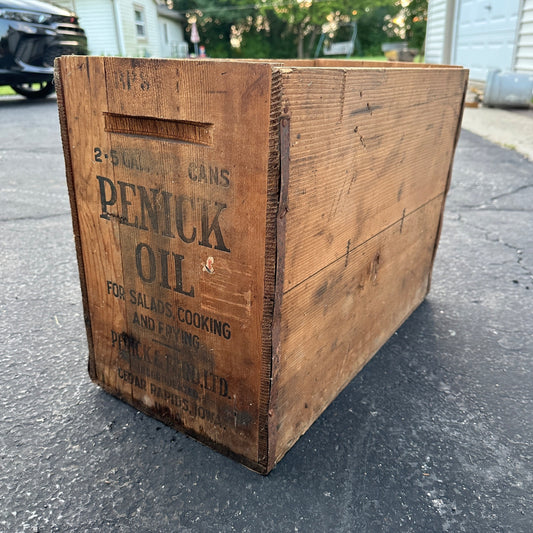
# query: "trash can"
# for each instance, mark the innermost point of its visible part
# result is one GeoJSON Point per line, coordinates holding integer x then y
{"type": "Point", "coordinates": [508, 89]}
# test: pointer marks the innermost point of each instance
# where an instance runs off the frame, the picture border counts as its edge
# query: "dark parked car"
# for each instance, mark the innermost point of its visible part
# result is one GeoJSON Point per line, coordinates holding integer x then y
{"type": "Point", "coordinates": [32, 35]}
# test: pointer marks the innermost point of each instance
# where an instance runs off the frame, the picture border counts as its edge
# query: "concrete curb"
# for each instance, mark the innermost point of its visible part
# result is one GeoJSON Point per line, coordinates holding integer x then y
{"type": "Point", "coordinates": [510, 129]}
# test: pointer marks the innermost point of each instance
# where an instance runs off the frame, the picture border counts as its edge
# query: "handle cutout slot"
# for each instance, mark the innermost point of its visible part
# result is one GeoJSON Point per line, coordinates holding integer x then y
{"type": "Point", "coordinates": [160, 128]}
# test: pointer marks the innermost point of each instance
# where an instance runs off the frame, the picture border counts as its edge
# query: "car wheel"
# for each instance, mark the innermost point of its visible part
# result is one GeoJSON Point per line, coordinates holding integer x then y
{"type": "Point", "coordinates": [34, 90]}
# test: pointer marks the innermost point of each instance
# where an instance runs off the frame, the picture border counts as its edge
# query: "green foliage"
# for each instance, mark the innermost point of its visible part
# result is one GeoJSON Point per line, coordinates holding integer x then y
{"type": "Point", "coordinates": [413, 19]}
{"type": "Point", "coordinates": [370, 29]}
{"type": "Point", "coordinates": [291, 28]}
{"type": "Point", "coordinates": [304, 19]}
{"type": "Point", "coordinates": [267, 37]}
{"type": "Point", "coordinates": [215, 19]}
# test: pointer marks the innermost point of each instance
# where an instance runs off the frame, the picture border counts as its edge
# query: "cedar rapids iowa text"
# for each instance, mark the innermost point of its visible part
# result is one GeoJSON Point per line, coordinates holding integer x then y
{"type": "Point", "coordinates": [191, 220]}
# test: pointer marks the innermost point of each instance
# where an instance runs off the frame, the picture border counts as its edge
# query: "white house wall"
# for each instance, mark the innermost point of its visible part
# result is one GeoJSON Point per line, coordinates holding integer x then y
{"type": "Point", "coordinates": [482, 35]}
{"type": "Point", "coordinates": [524, 51]}
{"type": "Point", "coordinates": [485, 35]}
{"type": "Point", "coordinates": [169, 48]}
{"type": "Point", "coordinates": [436, 32]}
{"type": "Point", "coordinates": [149, 45]}
{"type": "Point", "coordinates": [98, 21]}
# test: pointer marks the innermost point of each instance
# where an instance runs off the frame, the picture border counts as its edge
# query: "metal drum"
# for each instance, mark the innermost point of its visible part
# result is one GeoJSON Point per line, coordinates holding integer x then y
{"type": "Point", "coordinates": [508, 89]}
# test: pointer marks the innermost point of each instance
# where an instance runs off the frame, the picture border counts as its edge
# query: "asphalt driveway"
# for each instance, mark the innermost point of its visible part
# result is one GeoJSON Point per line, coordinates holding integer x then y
{"type": "Point", "coordinates": [435, 434]}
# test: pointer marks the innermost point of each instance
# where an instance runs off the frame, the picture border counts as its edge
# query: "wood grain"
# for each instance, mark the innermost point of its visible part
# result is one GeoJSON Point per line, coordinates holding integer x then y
{"type": "Point", "coordinates": [360, 158]}
{"type": "Point", "coordinates": [250, 233]}
{"type": "Point", "coordinates": [166, 199]}
{"type": "Point", "coordinates": [98, 245]}
{"type": "Point", "coordinates": [369, 161]}
{"type": "Point", "coordinates": [336, 320]}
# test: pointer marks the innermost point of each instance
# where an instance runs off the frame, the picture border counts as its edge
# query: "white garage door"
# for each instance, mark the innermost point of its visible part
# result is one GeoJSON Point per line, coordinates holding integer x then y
{"type": "Point", "coordinates": [485, 35]}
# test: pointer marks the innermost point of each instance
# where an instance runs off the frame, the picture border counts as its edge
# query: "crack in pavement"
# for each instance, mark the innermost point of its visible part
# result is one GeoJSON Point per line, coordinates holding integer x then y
{"type": "Point", "coordinates": [514, 191]}
{"type": "Point", "coordinates": [42, 217]}
{"type": "Point", "coordinates": [52, 150]}
{"type": "Point", "coordinates": [518, 251]}
{"type": "Point", "coordinates": [492, 208]}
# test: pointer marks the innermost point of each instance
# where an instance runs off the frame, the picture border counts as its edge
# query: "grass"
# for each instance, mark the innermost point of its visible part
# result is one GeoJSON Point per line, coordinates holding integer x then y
{"type": "Point", "coordinates": [5, 90]}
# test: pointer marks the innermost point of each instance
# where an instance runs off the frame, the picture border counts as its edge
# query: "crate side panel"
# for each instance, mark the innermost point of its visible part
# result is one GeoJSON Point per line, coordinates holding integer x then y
{"type": "Point", "coordinates": [85, 101]}
{"type": "Point", "coordinates": [368, 147]}
{"type": "Point", "coordinates": [336, 320]}
{"type": "Point", "coordinates": [181, 184]}
{"type": "Point", "coordinates": [350, 63]}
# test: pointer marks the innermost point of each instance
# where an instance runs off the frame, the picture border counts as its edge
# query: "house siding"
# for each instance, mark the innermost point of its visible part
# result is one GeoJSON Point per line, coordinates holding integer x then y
{"type": "Point", "coordinates": [147, 46]}
{"type": "Point", "coordinates": [98, 19]}
{"type": "Point", "coordinates": [524, 50]}
{"type": "Point", "coordinates": [175, 36]}
{"type": "Point", "coordinates": [485, 36]}
{"type": "Point", "coordinates": [460, 31]}
{"type": "Point", "coordinates": [436, 32]}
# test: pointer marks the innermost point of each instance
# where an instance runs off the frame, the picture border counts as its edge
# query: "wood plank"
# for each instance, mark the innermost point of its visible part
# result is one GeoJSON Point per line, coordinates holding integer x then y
{"type": "Point", "coordinates": [82, 97]}
{"type": "Point", "coordinates": [367, 147]}
{"type": "Point", "coordinates": [345, 63]}
{"type": "Point", "coordinates": [336, 320]}
{"type": "Point", "coordinates": [169, 197]}
{"type": "Point", "coordinates": [249, 233]}
{"type": "Point", "coordinates": [353, 63]}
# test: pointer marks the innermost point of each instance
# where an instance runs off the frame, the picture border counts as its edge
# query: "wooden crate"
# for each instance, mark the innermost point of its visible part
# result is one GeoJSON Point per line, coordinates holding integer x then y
{"type": "Point", "coordinates": [249, 234]}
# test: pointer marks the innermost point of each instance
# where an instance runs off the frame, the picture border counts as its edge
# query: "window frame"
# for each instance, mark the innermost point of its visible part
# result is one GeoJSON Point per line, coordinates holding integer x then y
{"type": "Point", "coordinates": [140, 24]}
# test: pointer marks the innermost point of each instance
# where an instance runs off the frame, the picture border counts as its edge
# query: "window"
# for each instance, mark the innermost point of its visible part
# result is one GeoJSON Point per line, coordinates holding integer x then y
{"type": "Point", "coordinates": [140, 25]}
{"type": "Point", "coordinates": [165, 32]}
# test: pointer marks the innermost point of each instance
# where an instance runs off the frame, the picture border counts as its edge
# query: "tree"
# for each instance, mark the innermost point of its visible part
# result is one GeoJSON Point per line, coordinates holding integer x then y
{"type": "Point", "coordinates": [289, 28]}
{"type": "Point", "coordinates": [268, 36]}
{"type": "Point", "coordinates": [409, 23]}
{"type": "Point", "coordinates": [370, 28]}
{"type": "Point", "coordinates": [218, 21]}
{"type": "Point", "coordinates": [306, 18]}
